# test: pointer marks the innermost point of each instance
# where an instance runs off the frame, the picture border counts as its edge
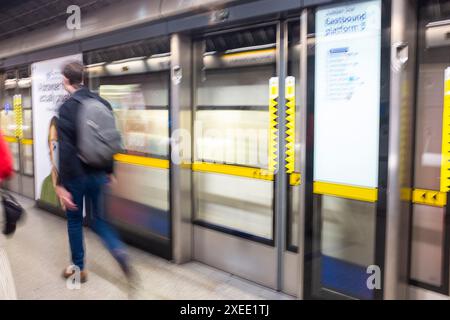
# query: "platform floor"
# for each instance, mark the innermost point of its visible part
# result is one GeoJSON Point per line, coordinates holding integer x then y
{"type": "Point", "coordinates": [39, 251]}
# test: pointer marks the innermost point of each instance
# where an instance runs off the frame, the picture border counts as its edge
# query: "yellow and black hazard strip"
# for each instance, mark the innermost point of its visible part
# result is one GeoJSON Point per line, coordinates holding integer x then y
{"type": "Point", "coordinates": [445, 157]}
{"type": "Point", "coordinates": [419, 196]}
{"type": "Point", "coordinates": [429, 197]}
{"type": "Point", "coordinates": [290, 124]}
{"type": "Point", "coordinates": [295, 179]}
{"type": "Point", "coordinates": [273, 125]}
{"type": "Point", "coordinates": [17, 104]}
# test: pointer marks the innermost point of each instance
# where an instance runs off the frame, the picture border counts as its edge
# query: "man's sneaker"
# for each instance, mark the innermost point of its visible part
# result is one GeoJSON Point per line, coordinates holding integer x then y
{"type": "Point", "coordinates": [70, 270]}
{"type": "Point", "coordinates": [132, 276]}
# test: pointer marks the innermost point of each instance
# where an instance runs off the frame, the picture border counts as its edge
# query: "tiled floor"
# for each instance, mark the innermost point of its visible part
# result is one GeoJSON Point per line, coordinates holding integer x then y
{"type": "Point", "coordinates": [39, 251]}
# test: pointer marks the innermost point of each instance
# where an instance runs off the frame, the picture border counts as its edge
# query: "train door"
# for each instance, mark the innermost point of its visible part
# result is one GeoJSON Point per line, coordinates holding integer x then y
{"type": "Point", "coordinates": [240, 178]}
{"type": "Point", "coordinates": [358, 162]}
{"type": "Point", "coordinates": [430, 233]}
{"type": "Point", "coordinates": [134, 78]}
{"type": "Point", "coordinates": [17, 128]}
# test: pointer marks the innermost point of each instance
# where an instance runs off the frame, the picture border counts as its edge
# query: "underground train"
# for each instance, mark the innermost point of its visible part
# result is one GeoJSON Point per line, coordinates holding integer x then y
{"type": "Point", "coordinates": [299, 144]}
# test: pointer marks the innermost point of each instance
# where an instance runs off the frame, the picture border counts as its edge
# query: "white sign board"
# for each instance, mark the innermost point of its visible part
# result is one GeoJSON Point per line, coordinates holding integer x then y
{"type": "Point", "coordinates": [347, 93]}
{"type": "Point", "coordinates": [47, 94]}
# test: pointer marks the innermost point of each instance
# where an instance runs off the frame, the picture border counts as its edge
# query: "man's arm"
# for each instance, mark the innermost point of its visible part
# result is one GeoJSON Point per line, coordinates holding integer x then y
{"type": "Point", "coordinates": [66, 139]}
{"type": "Point", "coordinates": [66, 129]}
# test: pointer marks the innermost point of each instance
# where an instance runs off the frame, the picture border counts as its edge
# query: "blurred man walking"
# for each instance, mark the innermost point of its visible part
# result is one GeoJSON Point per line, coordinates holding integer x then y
{"type": "Point", "coordinates": [78, 178]}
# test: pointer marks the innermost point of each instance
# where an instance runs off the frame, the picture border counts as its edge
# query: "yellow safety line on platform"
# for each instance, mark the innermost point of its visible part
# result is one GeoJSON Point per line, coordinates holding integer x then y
{"type": "Point", "coordinates": [345, 191]}
{"type": "Point", "coordinates": [142, 161]}
{"type": "Point", "coordinates": [429, 197]}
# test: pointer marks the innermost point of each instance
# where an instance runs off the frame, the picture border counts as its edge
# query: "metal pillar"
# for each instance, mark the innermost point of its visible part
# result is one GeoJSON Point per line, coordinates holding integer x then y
{"type": "Point", "coordinates": [403, 45]}
{"type": "Point", "coordinates": [180, 135]}
{"type": "Point", "coordinates": [302, 123]}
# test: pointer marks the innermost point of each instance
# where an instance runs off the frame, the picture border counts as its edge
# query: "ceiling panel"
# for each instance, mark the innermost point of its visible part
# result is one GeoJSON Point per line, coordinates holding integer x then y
{"type": "Point", "coordinates": [18, 17]}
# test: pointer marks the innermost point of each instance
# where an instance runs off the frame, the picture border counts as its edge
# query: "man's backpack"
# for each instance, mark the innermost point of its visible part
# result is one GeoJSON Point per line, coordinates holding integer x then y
{"type": "Point", "coordinates": [98, 137]}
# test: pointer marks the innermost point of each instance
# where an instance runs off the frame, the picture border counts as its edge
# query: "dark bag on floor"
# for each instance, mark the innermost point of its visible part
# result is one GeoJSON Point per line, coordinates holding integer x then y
{"type": "Point", "coordinates": [13, 212]}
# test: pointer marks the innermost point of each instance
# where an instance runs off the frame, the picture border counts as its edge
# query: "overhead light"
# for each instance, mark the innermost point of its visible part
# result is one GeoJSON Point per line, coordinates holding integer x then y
{"type": "Point", "coordinates": [160, 55]}
{"type": "Point", "coordinates": [24, 83]}
{"type": "Point", "coordinates": [264, 46]}
{"type": "Point", "coordinates": [10, 83]}
{"type": "Point", "coordinates": [438, 23]}
{"type": "Point", "coordinates": [129, 60]}
{"type": "Point", "coordinates": [96, 65]}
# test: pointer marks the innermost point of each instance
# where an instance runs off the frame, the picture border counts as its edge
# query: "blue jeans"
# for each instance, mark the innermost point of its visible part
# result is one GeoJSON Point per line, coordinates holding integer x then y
{"type": "Point", "coordinates": [92, 188]}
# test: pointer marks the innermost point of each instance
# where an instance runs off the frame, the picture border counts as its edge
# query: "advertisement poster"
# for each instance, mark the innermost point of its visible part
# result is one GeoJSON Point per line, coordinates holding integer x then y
{"type": "Point", "coordinates": [48, 94]}
{"type": "Point", "coordinates": [347, 93]}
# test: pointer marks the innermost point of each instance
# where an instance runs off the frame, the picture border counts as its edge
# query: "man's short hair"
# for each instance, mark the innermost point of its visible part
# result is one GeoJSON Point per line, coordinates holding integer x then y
{"type": "Point", "coordinates": [74, 72]}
